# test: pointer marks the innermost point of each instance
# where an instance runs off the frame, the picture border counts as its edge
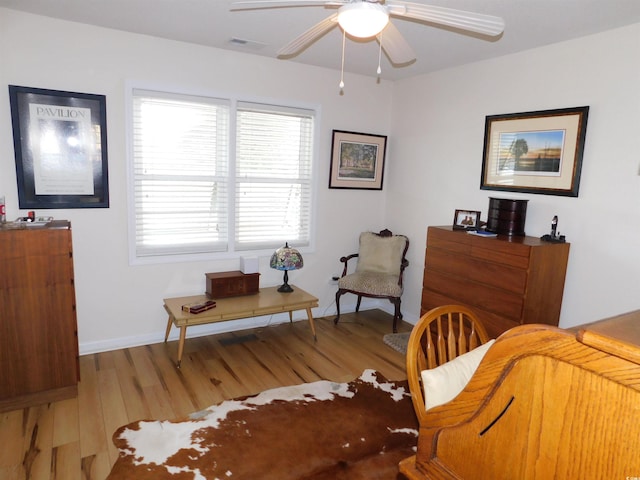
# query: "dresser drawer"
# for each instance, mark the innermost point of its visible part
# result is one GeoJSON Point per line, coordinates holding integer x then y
{"type": "Point", "coordinates": [52, 270]}
{"type": "Point", "coordinates": [476, 270]}
{"type": "Point", "coordinates": [475, 294]}
{"type": "Point", "coordinates": [13, 243]}
{"type": "Point", "coordinates": [453, 244]}
{"type": "Point", "coordinates": [495, 255]}
{"type": "Point", "coordinates": [491, 249]}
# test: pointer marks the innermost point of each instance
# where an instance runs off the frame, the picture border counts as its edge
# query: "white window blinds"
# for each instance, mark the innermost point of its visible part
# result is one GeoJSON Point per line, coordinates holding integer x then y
{"type": "Point", "coordinates": [200, 186]}
{"type": "Point", "coordinates": [180, 173]}
{"type": "Point", "coordinates": [273, 176]}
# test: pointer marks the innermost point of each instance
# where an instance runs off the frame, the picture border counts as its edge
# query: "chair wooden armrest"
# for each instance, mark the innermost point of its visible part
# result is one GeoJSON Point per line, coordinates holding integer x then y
{"type": "Point", "coordinates": [345, 260]}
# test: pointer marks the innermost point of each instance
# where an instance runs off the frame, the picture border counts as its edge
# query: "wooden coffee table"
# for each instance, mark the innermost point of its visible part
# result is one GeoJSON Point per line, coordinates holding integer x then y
{"type": "Point", "coordinates": [266, 302]}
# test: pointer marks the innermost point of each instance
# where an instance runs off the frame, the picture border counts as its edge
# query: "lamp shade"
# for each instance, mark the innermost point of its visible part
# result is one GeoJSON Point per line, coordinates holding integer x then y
{"type": "Point", "coordinates": [363, 19]}
{"type": "Point", "coordinates": [286, 258]}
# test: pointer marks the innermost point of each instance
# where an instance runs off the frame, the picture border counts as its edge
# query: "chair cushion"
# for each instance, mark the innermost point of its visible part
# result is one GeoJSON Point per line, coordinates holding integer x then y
{"type": "Point", "coordinates": [372, 283]}
{"type": "Point", "coordinates": [442, 384]}
{"type": "Point", "coordinates": [380, 254]}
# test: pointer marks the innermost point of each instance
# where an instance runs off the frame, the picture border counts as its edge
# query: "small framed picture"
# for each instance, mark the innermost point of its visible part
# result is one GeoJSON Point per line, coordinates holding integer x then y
{"type": "Point", "coordinates": [357, 160]}
{"type": "Point", "coordinates": [466, 220]}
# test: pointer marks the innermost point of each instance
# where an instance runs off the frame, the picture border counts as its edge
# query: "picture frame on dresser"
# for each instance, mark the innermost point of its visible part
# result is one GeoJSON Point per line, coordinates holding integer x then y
{"type": "Point", "coordinates": [466, 220]}
{"type": "Point", "coordinates": [60, 146]}
{"type": "Point", "coordinates": [535, 152]}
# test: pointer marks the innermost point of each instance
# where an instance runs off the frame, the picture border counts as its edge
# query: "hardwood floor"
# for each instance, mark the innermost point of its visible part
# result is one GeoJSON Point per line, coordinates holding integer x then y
{"type": "Point", "coordinates": [71, 439]}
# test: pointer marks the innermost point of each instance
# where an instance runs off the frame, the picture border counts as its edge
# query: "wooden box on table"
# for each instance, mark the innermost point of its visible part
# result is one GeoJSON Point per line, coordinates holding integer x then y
{"type": "Point", "coordinates": [232, 284]}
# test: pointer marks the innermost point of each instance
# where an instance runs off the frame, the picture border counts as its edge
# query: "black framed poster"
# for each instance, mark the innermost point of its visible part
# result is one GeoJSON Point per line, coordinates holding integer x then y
{"type": "Point", "coordinates": [60, 144]}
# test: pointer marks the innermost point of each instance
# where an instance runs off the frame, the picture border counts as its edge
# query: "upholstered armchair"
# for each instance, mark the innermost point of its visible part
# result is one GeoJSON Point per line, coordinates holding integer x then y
{"type": "Point", "coordinates": [378, 273]}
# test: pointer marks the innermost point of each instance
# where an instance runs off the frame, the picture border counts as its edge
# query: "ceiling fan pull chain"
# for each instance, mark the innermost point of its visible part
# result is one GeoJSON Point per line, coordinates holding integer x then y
{"type": "Point", "coordinates": [344, 36]}
{"type": "Point", "coordinates": [379, 53]}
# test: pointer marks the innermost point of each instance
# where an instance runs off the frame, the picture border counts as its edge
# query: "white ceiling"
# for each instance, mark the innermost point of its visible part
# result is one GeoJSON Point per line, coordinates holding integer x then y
{"type": "Point", "coordinates": [529, 24]}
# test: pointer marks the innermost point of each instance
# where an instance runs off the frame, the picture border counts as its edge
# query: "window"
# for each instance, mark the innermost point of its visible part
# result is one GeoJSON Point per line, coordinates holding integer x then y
{"type": "Point", "coordinates": [218, 175]}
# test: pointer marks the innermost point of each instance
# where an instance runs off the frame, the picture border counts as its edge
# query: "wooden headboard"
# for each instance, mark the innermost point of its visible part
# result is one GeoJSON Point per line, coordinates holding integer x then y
{"type": "Point", "coordinates": [544, 403]}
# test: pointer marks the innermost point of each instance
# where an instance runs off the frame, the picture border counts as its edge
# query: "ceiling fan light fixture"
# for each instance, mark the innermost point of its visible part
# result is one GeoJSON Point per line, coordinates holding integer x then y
{"type": "Point", "coordinates": [363, 19]}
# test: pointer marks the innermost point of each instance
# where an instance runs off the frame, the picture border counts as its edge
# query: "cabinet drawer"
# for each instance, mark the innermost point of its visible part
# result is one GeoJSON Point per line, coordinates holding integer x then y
{"type": "Point", "coordinates": [498, 256]}
{"type": "Point", "coordinates": [509, 251]}
{"type": "Point", "coordinates": [496, 275]}
{"type": "Point", "coordinates": [488, 298]}
{"type": "Point", "coordinates": [45, 357]}
{"type": "Point", "coordinates": [442, 242]}
{"type": "Point", "coordinates": [18, 243]}
{"type": "Point", "coordinates": [38, 270]}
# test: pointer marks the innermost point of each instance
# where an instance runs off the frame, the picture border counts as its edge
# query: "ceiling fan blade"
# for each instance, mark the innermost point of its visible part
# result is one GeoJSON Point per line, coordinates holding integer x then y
{"type": "Point", "coordinates": [260, 4]}
{"type": "Point", "coordinates": [473, 22]}
{"type": "Point", "coordinates": [311, 35]}
{"type": "Point", "coordinates": [395, 46]}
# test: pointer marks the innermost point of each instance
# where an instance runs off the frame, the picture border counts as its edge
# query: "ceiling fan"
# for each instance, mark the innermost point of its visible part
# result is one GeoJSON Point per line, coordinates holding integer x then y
{"type": "Point", "coordinates": [370, 18]}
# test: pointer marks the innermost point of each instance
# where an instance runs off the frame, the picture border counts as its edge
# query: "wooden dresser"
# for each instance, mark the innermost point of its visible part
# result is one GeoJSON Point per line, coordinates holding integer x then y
{"type": "Point", "coordinates": [507, 281]}
{"type": "Point", "coordinates": [39, 341]}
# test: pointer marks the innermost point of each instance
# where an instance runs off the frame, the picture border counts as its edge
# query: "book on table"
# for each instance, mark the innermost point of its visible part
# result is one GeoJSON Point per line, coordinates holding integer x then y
{"type": "Point", "coordinates": [482, 233]}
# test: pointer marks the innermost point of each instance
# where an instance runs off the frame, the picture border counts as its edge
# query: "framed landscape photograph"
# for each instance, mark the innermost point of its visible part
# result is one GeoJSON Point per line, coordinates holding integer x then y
{"type": "Point", "coordinates": [466, 220]}
{"type": "Point", "coordinates": [60, 144]}
{"type": "Point", "coordinates": [535, 152]}
{"type": "Point", "coordinates": [357, 160]}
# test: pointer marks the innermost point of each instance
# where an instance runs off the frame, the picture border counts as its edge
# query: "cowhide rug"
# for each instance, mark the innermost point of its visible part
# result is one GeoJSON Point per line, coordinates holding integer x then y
{"type": "Point", "coordinates": [321, 430]}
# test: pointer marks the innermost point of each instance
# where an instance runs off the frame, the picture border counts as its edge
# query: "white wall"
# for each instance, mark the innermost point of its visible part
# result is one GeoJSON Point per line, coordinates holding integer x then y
{"type": "Point", "coordinates": [118, 304]}
{"type": "Point", "coordinates": [435, 125]}
{"type": "Point", "coordinates": [437, 147]}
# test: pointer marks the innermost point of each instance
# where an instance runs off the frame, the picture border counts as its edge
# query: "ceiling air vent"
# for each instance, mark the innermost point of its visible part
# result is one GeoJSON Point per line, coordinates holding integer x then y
{"type": "Point", "coordinates": [244, 43]}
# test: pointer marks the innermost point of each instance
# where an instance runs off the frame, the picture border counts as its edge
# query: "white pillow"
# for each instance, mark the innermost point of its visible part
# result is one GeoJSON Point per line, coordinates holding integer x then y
{"type": "Point", "coordinates": [442, 384]}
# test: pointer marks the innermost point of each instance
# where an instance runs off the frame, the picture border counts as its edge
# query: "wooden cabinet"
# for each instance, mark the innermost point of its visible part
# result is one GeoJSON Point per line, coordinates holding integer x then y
{"type": "Point", "coordinates": [39, 341]}
{"type": "Point", "coordinates": [506, 280]}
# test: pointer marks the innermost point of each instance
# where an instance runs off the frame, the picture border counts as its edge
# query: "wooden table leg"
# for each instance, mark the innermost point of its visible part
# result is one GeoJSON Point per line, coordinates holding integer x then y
{"type": "Point", "coordinates": [169, 324]}
{"type": "Point", "coordinates": [290, 316]}
{"type": "Point", "coordinates": [313, 327]}
{"type": "Point", "coordinates": [183, 335]}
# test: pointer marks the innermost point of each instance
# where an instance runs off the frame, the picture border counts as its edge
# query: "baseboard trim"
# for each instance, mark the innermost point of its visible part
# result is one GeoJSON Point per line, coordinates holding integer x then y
{"type": "Point", "coordinates": [87, 348]}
